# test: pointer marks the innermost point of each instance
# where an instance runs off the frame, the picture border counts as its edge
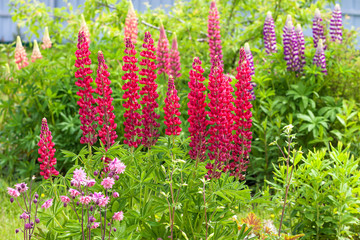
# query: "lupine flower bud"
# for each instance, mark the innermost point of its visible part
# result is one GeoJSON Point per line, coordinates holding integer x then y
{"type": "Point", "coordinates": [175, 66]}
{"type": "Point", "coordinates": [131, 96]}
{"type": "Point", "coordinates": [36, 54]}
{"type": "Point", "coordinates": [249, 57]}
{"type": "Point", "coordinates": [171, 110]}
{"type": "Point", "coordinates": [86, 103]}
{"type": "Point", "coordinates": [319, 58]}
{"type": "Point", "coordinates": [20, 54]}
{"type": "Point", "coordinates": [214, 36]}
{"type": "Point", "coordinates": [35, 200]}
{"type": "Point", "coordinates": [114, 229]}
{"type": "Point", "coordinates": [37, 220]}
{"type": "Point", "coordinates": [96, 173]}
{"type": "Point", "coordinates": [17, 230]}
{"type": "Point", "coordinates": [196, 111]}
{"type": "Point", "coordinates": [105, 108]}
{"type": "Point", "coordinates": [162, 52]}
{"type": "Point", "coordinates": [91, 208]}
{"type": "Point", "coordinates": [11, 200]}
{"type": "Point", "coordinates": [84, 28]}
{"type": "Point", "coordinates": [269, 34]}
{"type": "Point", "coordinates": [301, 45]}
{"type": "Point", "coordinates": [130, 30]}
{"type": "Point", "coordinates": [291, 50]}
{"type": "Point", "coordinates": [36, 195]}
{"type": "Point", "coordinates": [27, 226]}
{"type": "Point", "coordinates": [47, 152]}
{"type": "Point", "coordinates": [46, 39]}
{"type": "Point", "coordinates": [318, 29]}
{"type": "Point", "coordinates": [336, 24]}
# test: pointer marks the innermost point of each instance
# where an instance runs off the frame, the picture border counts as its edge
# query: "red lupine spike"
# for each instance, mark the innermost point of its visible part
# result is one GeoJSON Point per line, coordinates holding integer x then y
{"type": "Point", "coordinates": [148, 92]}
{"type": "Point", "coordinates": [175, 66]}
{"type": "Point", "coordinates": [162, 52]}
{"type": "Point", "coordinates": [20, 54]}
{"type": "Point", "coordinates": [171, 110]}
{"type": "Point", "coordinates": [86, 103]}
{"type": "Point", "coordinates": [131, 22]}
{"type": "Point", "coordinates": [214, 35]}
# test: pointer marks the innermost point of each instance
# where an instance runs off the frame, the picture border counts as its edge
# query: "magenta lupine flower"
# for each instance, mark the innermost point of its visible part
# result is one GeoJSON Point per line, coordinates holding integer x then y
{"type": "Point", "coordinates": [291, 48]}
{"type": "Point", "coordinates": [243, 121]}
{"type": "Point", "coordinates": [46, 39]}
{"type": "Point", "coordinates": [47, 152]}
{"type": "Point", "coordinates": [220, 121]}
{"type": "Point", "coordinates": [149, 132]}
{"type": "Point", "coordinates": [171, 110]}
{"type": "Point", "coordinates": [269, 34]}
{"type": "Point", "coordinates": [84, 28]}
{"type": "Point", "coordinates": [196, 111]}
{"type": "Point", "coordinates": [131, 22]}
{"type": "Point", "coordinates": [21, 59]}
{"type": "Point", "coordinates": [318, 29]}
{"type": "Point", "coordinates": [249, 57]}
{"type": "Point", "coordinates": [175, 66]}
{"type": "Point", "coordinates": [214, 35]}
{"type": "Point", "coordinates": [108, 182]}
{"type": "Point", "coordinates": [336, 24]}
{"type": "Point", "coordinates": [47, 204]}
{"type": "Point", "coordinates": [13, 192]}
{"type": "Point", "coordinates": [118, 216]}
{"type": "Point", "coordinates": [105, 108]}
{"type": "Point", "coordinates": [131, 95]}
{"type": "Point", "coordinates": [86, 103]}
{"type": "Point", "coordinates": [301, 45]}
{"type": "Point", "coordinates": [319, 58]}
{"type": "Point", "coordinates": [162, 52]}
{"type": "Point", "coordinates": [65, 199]}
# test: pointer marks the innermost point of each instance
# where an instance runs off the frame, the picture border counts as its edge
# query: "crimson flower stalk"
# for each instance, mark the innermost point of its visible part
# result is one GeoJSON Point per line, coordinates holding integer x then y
{"type": "Point", "coordinates": [174, 60]}
{"type": "Point", "coordinates": [196, 111]}
{"type": "Point", "coordinates": [319, 58]}
{"type": "Point", "coordinates": [20, 54]}
{"type": "Point", "coordinates": [318, 29]}
{"type": "Point", "coordinates": [336, 24]}
{"type": "Point", "coordinates": [84, 28]}
{"type": "Point", "coordinates": [106, 119]}
{"type": "Point", "coordinates": [131, 95]}
{"type": "Point", "coordinates": [36, 54]}
{"type": "Point", "coordinates": [47, 152]}
{"type": "Point", "coordinates": [149, 132]}
{"type": "Point", "coordinates": [46, 39]}
{"type": "Point", "coordinates": [171, 110]}
{"type": "Point", "coordinates": [214, 35]}
{"type": "Point", "coordinates": [87, 102]}
{"type": "Point", "coordinates": [131, 22]}
{"type": "Point", "coordinates": [243, 122]}
{"type": "Point", "coordinates": [162, 52]}
{"type": "Point", "coordinates": [269, 34]}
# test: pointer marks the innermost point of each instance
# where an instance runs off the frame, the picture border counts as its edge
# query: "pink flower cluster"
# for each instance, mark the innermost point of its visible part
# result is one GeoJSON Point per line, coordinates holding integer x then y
{"type": "Point", "coordinates": [214, 35]}
{"type": "Point", "coordinates": [131, 95]}
{"type": "Point", "coordinates": [174, 60]}
{"type": "Point", "coordinates": [20, 54]}
{"type": "Point", "coordinates": [171, 110]}
{"type": "Point", "coordinates": [47, 152]}
{"type": "Point", "coordinates": [149, 132]}
{"type": "Point", "coordinates": [86, 103]}
{"type": "Point", "coordinates": [36, 54]}
{"type": "Point", "coordinates": [196, 111]}
{"type": "Point", "coordinates": [130, 30]}
{"type": "Point", "coordinates": [162, 52]}
{"type": "Point", "coordinates": [46, 39]}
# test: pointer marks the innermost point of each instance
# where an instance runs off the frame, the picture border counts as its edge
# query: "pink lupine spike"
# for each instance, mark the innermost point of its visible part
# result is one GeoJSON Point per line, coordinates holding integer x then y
{"type": "Point", "coordinates": [132, 117]}
{"type": "Point", "coordinates": [36, 54]}
{"type": "Point", "coordinates": [149, 132]}
{"type": "Point", "coordinates": [20, 54]}
{"type": "Point", "coordinates": [84, 28]}
{"type": "Point", "coordinates": [106, 119]}
{"type": "Point", "coordinates": [214, 35]}
{"type": "Point", "coordinates": [196, 111]}
{"type": "Point", "coordinates": [131, 22]}
{"type": "Point", "coordinates": [46, 39]}
{"type": "Point", "coordinates": [87, 102]}
{"type": "Point", "coordinates": [47, 152]}
{"type": "Point", "coordinates": [162, 52]}
{"type": "Point", "coordinates": [175, 66]}
{"type": "Point", "coordinates": [171, 110]}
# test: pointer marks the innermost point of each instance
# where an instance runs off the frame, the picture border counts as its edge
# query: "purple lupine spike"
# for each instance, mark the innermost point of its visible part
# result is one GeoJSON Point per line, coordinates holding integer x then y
{"type": "Point", "coordinates": [318, 29]}
{"type": "Point", "coordinates": [319, 58]}
{"type": "Point", "coordinates": [301, 45]}
{"type": "Point", "coordinates": [269, 34]}
{"type": "Point", "coordinates": [249, 57]}
{"type": "Point", "coordinates": [336, 24]}
{"type": "Point", "coordinates": [288, 19]}
{"type": "Point", "coordinates": [291, 48]}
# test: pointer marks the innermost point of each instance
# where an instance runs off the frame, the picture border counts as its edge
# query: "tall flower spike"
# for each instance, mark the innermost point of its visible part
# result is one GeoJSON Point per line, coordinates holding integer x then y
{"type": "Point", "coordinates": [46, 151]}
{"type": "Point", "coordinates": [291, 49]}
{"type": "Point", "coordinates": [84, 28]}
{"type": "Point", "coordinates": [162, 52]}
{"type": "Point", "coordinates": [106, 119]}
{"type": "Point", "coordinates": [318, 29]}
{"type": "Point", "coordinates": [36, 54]}
{"type": "Point", "coordinates": [319, 58]}
{"type": "Point", "coordinates": [131, 96]}
{"type": "Point", "coordinates": [249, 57]}
{"type": "Point", "coordinates": [214, 35]}
{"type": "Point", "coordinates": [336, 24]}
{"type": "Point", "coordinates": [269, 34]}
{"type": "Point", "coordinates": [171, 110]}
{"type": "Point", "coordinates": [301, 45]}
{"type": "Point", "coordinates": [131, 22]}
{"type": "Point", "coordinates": [87, 102]}
{"type": "Point", "coordinates": [243, 122]}
{"type": "Point", "coordinates": [149, 132]}
{"type": "Point", "coordinates": [175, 66]}
{"type": "Point", "coordinates": [46, 39]}
{"type": "Point", "coordinates": [20, 54]}
{"type": "Point", "coordinates": [196, 111]}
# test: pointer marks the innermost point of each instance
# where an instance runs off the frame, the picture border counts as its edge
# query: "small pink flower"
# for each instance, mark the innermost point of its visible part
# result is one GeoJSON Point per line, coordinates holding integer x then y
{"type": "Point", "coordinates": [21, 187]}
{"type": "Point", "coordinates": [46, 39]}
{"type": "Point", "coordinates": [95, 225]}
{"type": "Point", "coordinates": [97, 196]}
{"type": "Point", "coordinates": [79, 175]}
{"type": "Point", "coordinates": [75, 183]}
{"type": "Point", "coordinates": [65, 199]}
{"type": "Point", "coordinates": [115, 194]}
{"type": "Point", "coordinates": [74, 192]}
{"type": "Point", "coordinates": [117, 166]}
{"type": "Point", "coordinates": [118, 216]}
{"type": "Point", "coordinates": [47, 204]}
{"type": "Point", "coordinates": [24, 216]}
{"type": "Point", "coordinates": [85, 199]}
{"type": "Point", "coordinates": [108, 182]}
{"type": "Point", "coordinates": [13, 192]}
{"type": "Point", "coordinates": [91, 182]}
{"type": "Point", "coordinates": [103, 201]}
